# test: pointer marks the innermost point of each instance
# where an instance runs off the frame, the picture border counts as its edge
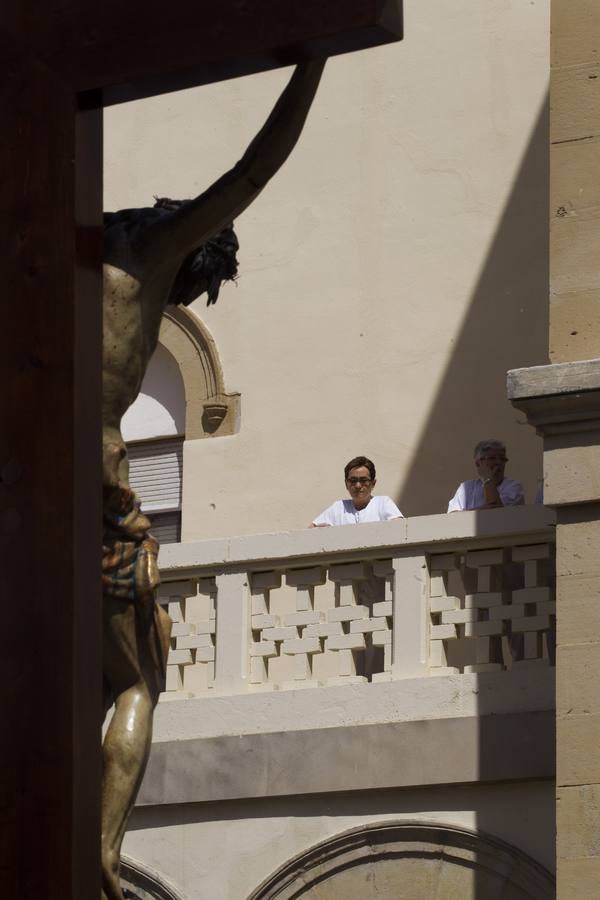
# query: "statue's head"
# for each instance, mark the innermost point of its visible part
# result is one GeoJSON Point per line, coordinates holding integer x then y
{"type": "Point", "coordinates": [207, 267]}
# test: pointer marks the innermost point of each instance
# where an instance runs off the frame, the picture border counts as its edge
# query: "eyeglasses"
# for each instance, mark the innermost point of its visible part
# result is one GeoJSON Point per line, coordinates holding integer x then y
{"type": "Point", "coordinates": [362, 481]}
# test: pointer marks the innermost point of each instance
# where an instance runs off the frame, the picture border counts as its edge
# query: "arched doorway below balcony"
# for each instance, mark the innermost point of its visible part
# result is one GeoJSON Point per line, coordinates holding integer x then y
{"type": "Point", "coordinates": [409, 861]}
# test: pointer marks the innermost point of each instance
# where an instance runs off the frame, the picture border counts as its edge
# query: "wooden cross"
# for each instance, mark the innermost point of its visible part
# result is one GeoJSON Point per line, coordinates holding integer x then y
{"type": "Point", "coordinates": [60, 63]}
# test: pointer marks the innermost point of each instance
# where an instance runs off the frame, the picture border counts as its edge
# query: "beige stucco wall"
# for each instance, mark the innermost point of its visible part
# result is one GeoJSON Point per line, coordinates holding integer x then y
{"type": "Point", "coordinates": [390, 275]}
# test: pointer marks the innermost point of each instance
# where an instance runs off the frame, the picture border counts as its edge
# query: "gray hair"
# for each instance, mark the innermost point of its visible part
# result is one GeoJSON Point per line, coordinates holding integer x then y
{"type": "Point", "coordinates": [484, 446]}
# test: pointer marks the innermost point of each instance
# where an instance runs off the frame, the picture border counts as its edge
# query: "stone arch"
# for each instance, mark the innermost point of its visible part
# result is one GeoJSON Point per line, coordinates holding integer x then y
{"type": "Point", "coordinates": [409, 861]}
{"type": "Point", "coordinates": [141, 883]}
{"type": "Point", "coordinates": [209, 410]}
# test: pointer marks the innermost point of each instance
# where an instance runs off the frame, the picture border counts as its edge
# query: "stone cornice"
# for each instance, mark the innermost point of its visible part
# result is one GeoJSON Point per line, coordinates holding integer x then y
{"type": "Point", "coordinates": [557, 378]}
{"type": "Point", "coordinates": [563, 398]}
{"type": "Point", "coordinates": [562, 403]}
{"type": "Point", "coordinates": [465, 750]}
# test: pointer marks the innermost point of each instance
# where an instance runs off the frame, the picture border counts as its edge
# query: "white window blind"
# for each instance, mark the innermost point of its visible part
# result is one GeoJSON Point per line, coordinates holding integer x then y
{"type": "Point", "coordinates": [166, 527]}
{"type": "Point", "coordinates": [155, 472]}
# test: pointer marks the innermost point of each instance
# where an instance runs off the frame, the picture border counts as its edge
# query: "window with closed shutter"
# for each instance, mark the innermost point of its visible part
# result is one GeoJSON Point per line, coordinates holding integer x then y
{"type": "Point", "coordinates": [155, 474]}
{"type": "Point", "coordinates": [166, 527]}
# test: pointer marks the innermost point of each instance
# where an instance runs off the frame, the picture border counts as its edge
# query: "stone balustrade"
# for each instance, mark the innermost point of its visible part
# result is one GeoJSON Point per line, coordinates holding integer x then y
{"type": "Point", "coordinates": [451, 594]}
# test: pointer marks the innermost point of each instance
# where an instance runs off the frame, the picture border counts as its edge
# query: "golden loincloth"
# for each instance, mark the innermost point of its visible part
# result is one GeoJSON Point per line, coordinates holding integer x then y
{"type": "Point", "coordinates": [129, 552]}
{"type": "Point", "coordinates": [130, 568]}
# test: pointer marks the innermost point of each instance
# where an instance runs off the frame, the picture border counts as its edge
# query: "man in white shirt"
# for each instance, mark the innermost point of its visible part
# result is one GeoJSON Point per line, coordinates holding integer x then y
{"type": "Point", "coordinates": [359, 475]}
{"type": "Point", "coordinates": [491, 489]}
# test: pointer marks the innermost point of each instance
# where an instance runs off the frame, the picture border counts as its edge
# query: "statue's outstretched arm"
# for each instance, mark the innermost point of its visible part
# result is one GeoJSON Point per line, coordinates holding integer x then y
{"type": "Point", "coordinates": [176, 235]}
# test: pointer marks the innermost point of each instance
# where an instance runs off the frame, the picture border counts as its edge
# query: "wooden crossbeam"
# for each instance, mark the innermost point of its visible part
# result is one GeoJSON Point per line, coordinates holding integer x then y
{"type": "Point", "coordinates": [136, 49]}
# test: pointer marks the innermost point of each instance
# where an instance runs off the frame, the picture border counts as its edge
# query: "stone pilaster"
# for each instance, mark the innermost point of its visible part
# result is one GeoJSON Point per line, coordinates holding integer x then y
{"type": "Point", "coordinates": [562, 401]}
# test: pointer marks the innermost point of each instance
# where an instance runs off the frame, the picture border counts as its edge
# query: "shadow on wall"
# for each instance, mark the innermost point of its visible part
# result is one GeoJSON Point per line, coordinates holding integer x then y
{"type": "Point", "coordinates": [532, 584]}
{"type": "Point", "coordinates": [506, 327]}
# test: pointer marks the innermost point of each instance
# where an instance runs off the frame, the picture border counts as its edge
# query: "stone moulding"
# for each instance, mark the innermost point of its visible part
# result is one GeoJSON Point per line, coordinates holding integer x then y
{"type": "Point", "coordinates": [562, 402]}
{"type": "Point", "coordinates": [209, 409]}
{"type": "Point", "coordinates": [487, 859]}
{"type": "Point", "coordinates": [556, 378]}
{"type": "Point", "coordinates": [558, 399]}
{"type": "Point", "coordinates": [140, 883]}
{"type": "Point", "coordinates": [493, 747]}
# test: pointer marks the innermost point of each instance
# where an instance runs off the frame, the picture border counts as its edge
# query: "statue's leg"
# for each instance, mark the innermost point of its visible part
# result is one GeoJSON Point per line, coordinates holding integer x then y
{"type": "Point", "coordinates": [130, 670]}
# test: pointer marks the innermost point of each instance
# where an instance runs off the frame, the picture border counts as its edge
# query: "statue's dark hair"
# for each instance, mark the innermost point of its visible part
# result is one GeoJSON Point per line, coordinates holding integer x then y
{"type": "Point", "coordinates": [205, 268]}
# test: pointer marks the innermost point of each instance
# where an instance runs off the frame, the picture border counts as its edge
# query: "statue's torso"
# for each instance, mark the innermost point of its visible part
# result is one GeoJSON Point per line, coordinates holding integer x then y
{"type": "Point", "coordinates": [136, 284]}
{"type": "Point", "coordinates": [131, 326]}
{"type": "Point", "coordinates": [135, 288]}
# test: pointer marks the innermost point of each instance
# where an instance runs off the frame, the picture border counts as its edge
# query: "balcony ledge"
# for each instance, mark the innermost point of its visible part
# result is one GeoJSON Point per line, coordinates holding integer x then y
{"type": "Point", "coordinates": [182, 560]}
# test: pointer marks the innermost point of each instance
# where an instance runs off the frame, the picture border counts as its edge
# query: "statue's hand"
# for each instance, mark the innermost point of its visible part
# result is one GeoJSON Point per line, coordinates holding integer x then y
{"type": "Point", "coordinates": [112, 454]}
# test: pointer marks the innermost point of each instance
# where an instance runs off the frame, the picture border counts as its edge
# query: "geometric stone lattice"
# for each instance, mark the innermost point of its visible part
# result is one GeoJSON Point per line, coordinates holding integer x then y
{"type": "Point", "coordinates": [406, 861]}
{"type": "Point", "coordinates": [191, 660]}
{"type": "Point", "coordinates": [321, 625]}
{"type": "Point", "coordinates": [491, 609]}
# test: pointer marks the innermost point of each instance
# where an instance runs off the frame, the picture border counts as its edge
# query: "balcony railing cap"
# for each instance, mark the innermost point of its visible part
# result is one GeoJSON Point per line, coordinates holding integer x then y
{"type": "Point", "coordinates": [398, 537]}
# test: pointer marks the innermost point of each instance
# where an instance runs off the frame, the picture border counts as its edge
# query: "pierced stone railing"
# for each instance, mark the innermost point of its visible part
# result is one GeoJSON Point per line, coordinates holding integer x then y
{"type": "Point", "coordinates": [435, 595]}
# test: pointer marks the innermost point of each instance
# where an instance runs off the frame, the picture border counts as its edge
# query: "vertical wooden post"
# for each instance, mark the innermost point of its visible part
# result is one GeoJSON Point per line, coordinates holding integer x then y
{"type": "Point", "coordinates": [50, 507]}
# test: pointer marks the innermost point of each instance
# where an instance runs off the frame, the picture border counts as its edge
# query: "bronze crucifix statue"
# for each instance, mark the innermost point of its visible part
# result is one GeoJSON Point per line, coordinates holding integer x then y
{"type": "Point", "coordinates": [144, 252]}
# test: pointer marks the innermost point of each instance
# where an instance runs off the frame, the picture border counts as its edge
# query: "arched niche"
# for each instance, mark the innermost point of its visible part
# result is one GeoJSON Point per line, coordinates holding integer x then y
{"type": "Point", "coordinates": [209, 410]}
{"type": "Point", "coordinates": [409, 861]}
{"type": "Point", "coordinates": [159, 409]}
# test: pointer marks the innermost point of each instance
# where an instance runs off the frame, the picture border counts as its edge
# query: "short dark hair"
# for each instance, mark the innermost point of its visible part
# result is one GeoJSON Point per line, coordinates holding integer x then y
{"type": "Point", "coordinates": [359, 461]}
